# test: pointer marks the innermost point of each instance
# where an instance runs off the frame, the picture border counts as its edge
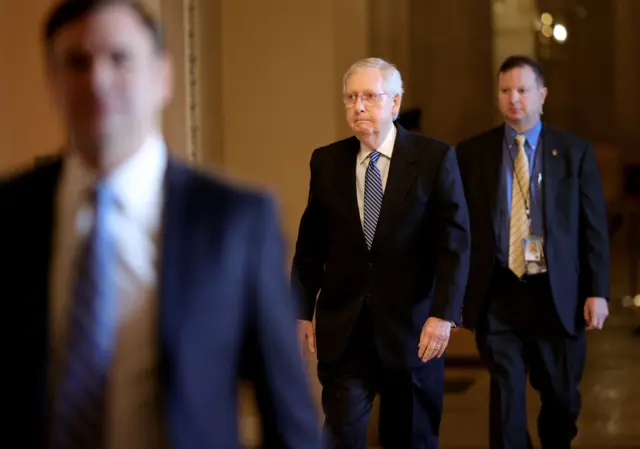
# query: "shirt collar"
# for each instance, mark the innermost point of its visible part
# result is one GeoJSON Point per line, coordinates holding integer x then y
{"type": "Point", "coordinates": [386, 148]}
{"type": "Point", "coordinates": [135, 183]}
{"type": "Point", "coordinates": [532, 134]}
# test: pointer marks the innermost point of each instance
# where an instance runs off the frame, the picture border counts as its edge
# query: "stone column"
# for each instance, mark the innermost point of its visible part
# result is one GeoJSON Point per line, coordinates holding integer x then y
{"type": "Point", "coordinates": [179, 120]}
{"type": "Point", "coordinates": [208, 84]}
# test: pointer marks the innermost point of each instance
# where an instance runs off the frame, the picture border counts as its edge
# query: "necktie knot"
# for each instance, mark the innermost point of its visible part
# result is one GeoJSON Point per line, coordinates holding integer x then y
{"type": "Point", "coordinates": [373, 157]}
{"type": "Point", "coordinates": [520, 140]}
{"type": "Point", "coordinates": [102, 196]}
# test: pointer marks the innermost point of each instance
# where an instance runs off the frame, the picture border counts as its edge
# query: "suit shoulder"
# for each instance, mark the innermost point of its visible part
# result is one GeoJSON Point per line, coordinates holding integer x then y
{"type": "Point", "coordinates": [226, 193]}
{"type": "Point", "coordinates": [479, 139]}
{"type": "Point", "coordinates": [25, 179]}
{"type": "Point", "coordinates": [334, 148]}
{"type": "Point", "coordinates": [428, 144]}
{"type": "Point", "coordinates": [566, 138]}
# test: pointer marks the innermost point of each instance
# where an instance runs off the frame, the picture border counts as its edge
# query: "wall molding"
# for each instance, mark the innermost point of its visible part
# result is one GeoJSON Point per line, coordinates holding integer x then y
{"type": "Point", "coordinates": [192, 51]}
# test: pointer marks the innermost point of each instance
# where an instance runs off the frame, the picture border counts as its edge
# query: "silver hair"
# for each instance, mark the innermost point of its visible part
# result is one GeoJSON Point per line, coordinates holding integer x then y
{"type": "Point", "coordinates": [391, 78]}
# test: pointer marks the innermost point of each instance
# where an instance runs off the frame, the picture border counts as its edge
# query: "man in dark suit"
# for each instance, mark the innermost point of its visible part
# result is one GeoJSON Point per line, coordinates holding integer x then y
{"type": "Point", "coordinates": [390, 261]}
{"type": "Point", "coordinates": [539, 259]}
{"type": "Point", "coordinates": [140, 289]}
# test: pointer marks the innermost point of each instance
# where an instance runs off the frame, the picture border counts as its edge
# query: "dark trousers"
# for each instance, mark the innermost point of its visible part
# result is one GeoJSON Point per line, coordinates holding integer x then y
{"type": "Point", "coordinates": [538, 346]}
{"type": "Point", "coordinates": [410, 398]}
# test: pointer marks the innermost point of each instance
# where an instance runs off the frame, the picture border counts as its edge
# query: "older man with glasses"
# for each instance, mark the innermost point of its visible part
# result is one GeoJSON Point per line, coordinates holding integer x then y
{"type": "Point", "coordinates": [384, 240]}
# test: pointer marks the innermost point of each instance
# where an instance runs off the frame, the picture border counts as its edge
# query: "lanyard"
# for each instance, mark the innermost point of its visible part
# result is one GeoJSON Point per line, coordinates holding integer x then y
{"type": "Point", "coordinates": [516, 178]}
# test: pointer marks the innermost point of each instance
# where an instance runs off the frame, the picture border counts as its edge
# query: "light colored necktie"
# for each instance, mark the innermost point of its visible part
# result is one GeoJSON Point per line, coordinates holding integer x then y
{"type": "Point", "coordinates": [372, 198]}
{"type": "Point", "coordinates": [80, 407]}
{"type": "Point", "coordinates": [519, 222]}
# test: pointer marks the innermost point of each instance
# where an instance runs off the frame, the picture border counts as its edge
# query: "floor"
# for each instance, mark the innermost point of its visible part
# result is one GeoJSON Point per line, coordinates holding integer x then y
{"type": "Point", "coordinates": [610, 415]}
{"type": "Point", "coordinates": [611, 395]}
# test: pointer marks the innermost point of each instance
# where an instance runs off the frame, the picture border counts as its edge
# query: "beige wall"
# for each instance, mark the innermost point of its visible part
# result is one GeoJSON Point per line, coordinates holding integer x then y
{"type": "Point", "coordinates": [28, 127]}
{"type": "Point", "coordinates": [28, 124]}
{"type": "Point", "coordinates": [390, 37]}
{"type": "Point", "coordinates": [452, 66]}
{"type": "Point", "coordinates": [266, 103]}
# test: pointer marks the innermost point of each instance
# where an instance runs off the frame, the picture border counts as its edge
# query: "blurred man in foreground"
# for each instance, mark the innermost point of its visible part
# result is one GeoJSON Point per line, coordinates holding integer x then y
{"type": "Point", "coordinates": [140, 288]}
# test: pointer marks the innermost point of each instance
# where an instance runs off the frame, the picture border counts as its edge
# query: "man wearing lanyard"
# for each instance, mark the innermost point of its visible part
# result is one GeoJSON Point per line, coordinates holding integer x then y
{"type": "Point", "coordinates": [539, 271]}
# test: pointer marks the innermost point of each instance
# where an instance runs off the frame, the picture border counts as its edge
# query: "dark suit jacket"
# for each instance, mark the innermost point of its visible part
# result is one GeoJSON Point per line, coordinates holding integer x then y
{"type": "Point", "coordinates": [418, 263]}
{"type": "Point", "coordinates": [225, 307]}
{"type": "Point", "coordinates": [575, 221]}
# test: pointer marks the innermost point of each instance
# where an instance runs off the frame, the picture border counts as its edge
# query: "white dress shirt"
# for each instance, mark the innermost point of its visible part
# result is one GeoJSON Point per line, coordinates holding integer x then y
{"type": "Point", "coordinates": [384, 161]}
{"type": "Point", "coordinates": [134, 415]}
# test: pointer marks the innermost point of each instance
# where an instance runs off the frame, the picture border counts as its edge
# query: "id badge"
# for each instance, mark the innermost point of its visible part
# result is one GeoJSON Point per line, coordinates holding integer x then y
{"type": "Point", "coordinates": [534, 259]}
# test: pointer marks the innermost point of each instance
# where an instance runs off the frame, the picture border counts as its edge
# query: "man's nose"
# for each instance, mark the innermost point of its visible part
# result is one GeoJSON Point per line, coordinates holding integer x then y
{"type": "Point", "coordinates": [360, 106]}
{"type": "Point", "coordinates": [514, 96]}
{"type": "Point", "coordinates": [101, 77]}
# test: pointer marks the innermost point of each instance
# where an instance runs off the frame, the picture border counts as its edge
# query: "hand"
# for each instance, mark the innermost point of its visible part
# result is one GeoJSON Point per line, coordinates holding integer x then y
{"type": "Point", "coordinates": [596, 311]}
{"type": "Point", "coordinates": [434, 338]}
{"type": "Point", "coordinates": [307, 333]}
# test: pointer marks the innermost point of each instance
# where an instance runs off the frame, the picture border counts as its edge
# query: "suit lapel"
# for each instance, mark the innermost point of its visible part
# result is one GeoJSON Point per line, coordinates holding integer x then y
{"type": "Point", "coordinates": [345, 170]}
{"type": "Point", "coordinates": [553, 168]}
{"type": "Point", "coordinates": [43, 222]}
{"type": "Point", "coordinates": [36, 243]}
{"type": "Point", "coordinates": [401, 176]}
{"type": "Point", "coordinates": [174, 260]}
{"type": "Point", "coordinates": [493, 177]}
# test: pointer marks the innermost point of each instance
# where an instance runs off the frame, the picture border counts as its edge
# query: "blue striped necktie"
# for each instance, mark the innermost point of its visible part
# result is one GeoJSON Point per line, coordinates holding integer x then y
{"type": "Point", "coordinates": [372, 198]}
{"type": "Point", "coordinates": [80, 407]}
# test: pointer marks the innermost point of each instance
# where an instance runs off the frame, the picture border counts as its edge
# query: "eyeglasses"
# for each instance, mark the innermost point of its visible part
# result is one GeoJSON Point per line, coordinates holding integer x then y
{"type": "Point", "coordinates": [369, 99]}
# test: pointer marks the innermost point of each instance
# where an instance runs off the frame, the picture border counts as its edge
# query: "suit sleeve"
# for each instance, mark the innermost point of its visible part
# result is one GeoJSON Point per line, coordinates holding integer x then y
{"type": "Point", "coordinates": [273, 352]}
{"type": "Point", "coordinates": [462, 159]}
{"type": "Point", "coordinates": [452, 241]}
{"type": "Point", "coordinates": [307, 271]}
{"type": "Point", "coordinates": [594, 233]}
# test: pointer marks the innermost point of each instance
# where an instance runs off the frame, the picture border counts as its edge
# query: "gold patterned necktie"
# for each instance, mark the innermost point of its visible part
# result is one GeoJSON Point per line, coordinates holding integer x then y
{"type": "Point", "coordinates": [519, 222]}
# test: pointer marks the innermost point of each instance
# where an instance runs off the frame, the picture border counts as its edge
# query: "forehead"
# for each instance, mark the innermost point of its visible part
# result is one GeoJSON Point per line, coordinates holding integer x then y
{"type": "Point", "coordinates": [365, 80]}
{"type": "Point", "coordinates": [110, 27]}
{"type": "Point", "coordinates": [518, 76]}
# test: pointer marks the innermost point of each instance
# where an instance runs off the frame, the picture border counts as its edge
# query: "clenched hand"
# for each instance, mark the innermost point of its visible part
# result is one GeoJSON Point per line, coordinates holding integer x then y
{"type": "Point", "coordinates": [434, 338]}
{"type": "Point", "coordinates": [596, 311]}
